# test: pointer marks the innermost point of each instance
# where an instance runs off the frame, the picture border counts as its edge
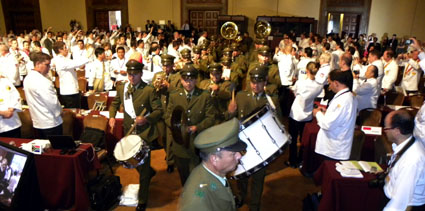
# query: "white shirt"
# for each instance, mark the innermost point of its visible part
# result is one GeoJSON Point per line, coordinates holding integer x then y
{"type": "Point", "coordinates": [411, 76]}
{"type": "Point", "coordinates": [65, 67]}
{"type": "Point", "coordinates": [419, 131]}
{"type": "Point", "coordinates": [302, 67]}
{"type": "Point", "coordinates": [405, 183]}
{"type": "Point", "coordinates": [286, 69]}
{"type": "Point", "coordinates": [9, 98]}
{"type": "Point", "coordinates": [9, 69]}
{"type": "Point", "coordinates": [336, 132]}
{"type": "Point", "coordinates": [305, 92]}
{"type": "Point", "coordinates": [78, 54]}
{"type": "Point", "coordinates": [119, 64]}
{"type": "Point", "coordinates": [25, 64]}
{"type": "Point", "coordinates": [42, 100]}
{"type": "Point", "coordinates": [390, 74]}
{"type": "Point", "coordinates": [201, 40]}
{"type": "Point", "coordinates": [322, 74]}
{"type": "Point", "coordinates": [367, 93]}
{"type": "Point", "coordinates": [95, 71]}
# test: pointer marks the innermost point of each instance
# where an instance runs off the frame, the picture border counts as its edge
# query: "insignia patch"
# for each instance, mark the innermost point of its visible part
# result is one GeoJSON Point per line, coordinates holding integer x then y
{"type": "Point", "coordinates": [213, 186]}
{"type": "Point", "coordinates": [339, 106]}
{"type": "Point", "coordinates": [200, 193]}
{"type": "Point", "coordinates": [1, 100]}
{"type": "Point", "coordinates": [8, 88]}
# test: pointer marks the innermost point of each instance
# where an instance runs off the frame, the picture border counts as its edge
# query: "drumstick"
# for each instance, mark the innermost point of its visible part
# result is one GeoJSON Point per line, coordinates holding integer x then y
{"type": "Point", "coordinates": [233, 95]}
{"type": "Point", "coordinates": [134, 125]}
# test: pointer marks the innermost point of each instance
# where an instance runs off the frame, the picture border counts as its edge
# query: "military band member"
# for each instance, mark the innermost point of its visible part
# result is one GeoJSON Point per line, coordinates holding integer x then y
{"type": "Point", "coordinates": [233, 75]}
{"type": "Point", "coordinates": [219, 90]}
{"type": "Point", "coordinates": [253, 53]}
{"type": "Point", "coordinates": [185, 58]}
{"type": "Point", "coordinates": [200, 115]}
{"type": "Point", "coordinates": [246, 102]}
{"type": "Point", "coordinates": [207, 187]}
{"type": "Point", "coordinates": [263, 57]}
{"type": "Point", "coordinates": [239, 60]}
{"type": "Point", "coordinates": [136, 96]}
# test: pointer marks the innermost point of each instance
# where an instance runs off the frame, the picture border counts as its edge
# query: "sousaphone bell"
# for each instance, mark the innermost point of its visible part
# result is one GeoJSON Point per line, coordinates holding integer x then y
{"type": "Point", "coordinates": [179, 126]}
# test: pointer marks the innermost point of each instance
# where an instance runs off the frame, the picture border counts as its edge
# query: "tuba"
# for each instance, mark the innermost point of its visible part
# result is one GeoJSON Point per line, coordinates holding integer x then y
{"type": "Point", "coordinates": [229, 30]}
{"type": "Point", "coordinates": [262, 29]}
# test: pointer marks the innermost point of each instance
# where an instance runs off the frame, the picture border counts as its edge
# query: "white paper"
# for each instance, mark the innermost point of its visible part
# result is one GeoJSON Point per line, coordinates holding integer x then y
{"type": "Point", "coordinates": [112, 93]}
{"type": "Point", "coordinates": [346, 171]}
{"type": "Point", "coordinates": [119, 115]}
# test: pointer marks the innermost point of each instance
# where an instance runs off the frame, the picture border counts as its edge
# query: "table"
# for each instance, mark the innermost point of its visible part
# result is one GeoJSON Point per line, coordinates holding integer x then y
{"type": "Point", "coordinates": [339, 193]}
{"type": "Point", "coordinates": [111, 138]}
{"type": "Point", "coordinates": [62, 178]}
{"type": "Point", "coordinates": [312, 161]}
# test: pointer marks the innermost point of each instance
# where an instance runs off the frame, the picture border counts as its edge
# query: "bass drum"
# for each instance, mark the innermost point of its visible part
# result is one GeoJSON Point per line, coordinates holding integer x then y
{"type": "Point", "coordinates": [131, 151]}
{"type": "Point", "coordinates": [266, 139]}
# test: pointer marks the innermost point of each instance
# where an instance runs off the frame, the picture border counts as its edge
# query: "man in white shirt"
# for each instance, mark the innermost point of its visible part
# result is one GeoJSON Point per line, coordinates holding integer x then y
{"type": "Point", "coordinates": [336, 54]}
{"type": "Point", "coordinates": [337, 122]}
{"type": "Point", "coordinates": [412, 72]}
{"type": "Point", "coordinates": [286, 67]}
{"type": "Point", "coordinates": [79, 51]}
{"type": "Point", "coordinates": [304, 42]}
{"type": "Point", "coordinates": [66, 69]}
{"type": "Point", "coordinates": [405, 181]}
{"type": "Point", "coordinates": [390, 71]}
{"type": "Point", "coordinates": [119, 69]}
{"type": "Point", "coordinates": [42, 99]}
{"type": "Point", "coordinates": [367, 92]}
{"type": "Point", "coordinates": [203, 38]}
{"type": "Point", "coordinates": [302, 65]}
{"type": "Point", "coordinates": [22, 58]}
{"type": "Point", "coordinates": [9, 65]}
{"type": "Point", "coordinates": [10, 104]}
{"type": "Point", "coordinates": [99, 73]}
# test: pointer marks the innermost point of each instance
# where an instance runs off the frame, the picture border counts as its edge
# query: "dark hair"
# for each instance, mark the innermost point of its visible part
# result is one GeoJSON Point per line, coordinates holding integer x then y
{"type": "Point", "coordinates": [341, 76]}
{"type": "Point", "coordinates": [37, 43]}
{"type": "Point", "coordinates": [120, 48]}
{"type": "Point", "coordinates": [375, 71]}
{"type": "Point", "coordinates": [403, 120]}
{"type": "Point", "coordinates": [352, 50]}
{"type": "Point", "coordinates": [58, 46]}
{"type": "Point", "coordinates": [327, 46]}
{"type": "Point", "coordinates": [308, 51]}
{"type": "Point", "coordinates": [80, 41]}
{"type": "Point", "coordinates": [139, 42]}
{"type": "Point", "coordinates": [390, 52]}
{"type": "Point", "coordinates": [39, 57]}
{"type": "Point", "coordinates": [376, 53]}
{"type": "Point", "coordinates": [347, 59]}
{"type": "Point", "coordinates": [205, 155]}
{"type": "Point", "coordinates": [98, 51]}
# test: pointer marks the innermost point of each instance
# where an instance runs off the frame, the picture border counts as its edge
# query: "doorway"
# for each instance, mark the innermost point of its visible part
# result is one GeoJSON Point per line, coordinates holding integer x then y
{"type": "Point", "coordinates": [204, 20]}
{"type": "Point", "coordinates": [343, 22]}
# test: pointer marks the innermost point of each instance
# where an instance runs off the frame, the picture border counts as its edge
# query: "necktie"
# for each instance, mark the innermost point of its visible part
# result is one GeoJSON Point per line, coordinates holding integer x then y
{"type": "Point", "coordinates": [130, 90]}
{"type": "Point", "coordinates": [188, 96]}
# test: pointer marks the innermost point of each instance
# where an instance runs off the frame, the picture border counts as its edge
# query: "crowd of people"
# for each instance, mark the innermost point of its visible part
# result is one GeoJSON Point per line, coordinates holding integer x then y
{"type": "Point", "coordinates": [161, 70]}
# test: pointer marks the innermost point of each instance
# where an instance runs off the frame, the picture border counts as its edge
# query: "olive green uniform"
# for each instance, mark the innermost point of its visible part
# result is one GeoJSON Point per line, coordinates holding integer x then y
{"type": "Point", "coordinates": [143, 97]}
{"type": "Point", "coordinates": [200, 112]}
{"type": "Point", "coordinates": [203, 191]}
{"type": "Point", "coordinates": [219, 99]}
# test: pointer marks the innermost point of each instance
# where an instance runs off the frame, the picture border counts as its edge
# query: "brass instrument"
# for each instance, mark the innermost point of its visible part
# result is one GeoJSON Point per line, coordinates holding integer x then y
{"type": "Point", "coordinates": [262, 29]}
{"type": "Point", "coordinates": [229, 30]}
{"type": "Point", "coordinates": [158, 79]}
{"type": "Point", "coordinates": [239, 38]}
{"type": "Point", "coordinates": [179, 126]}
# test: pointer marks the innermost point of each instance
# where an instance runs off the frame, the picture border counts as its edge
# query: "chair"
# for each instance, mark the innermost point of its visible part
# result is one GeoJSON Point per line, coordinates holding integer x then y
{"type": "Point", "coordinates": [82, 84]}
{"type": "Point", "coordinates": [369, 117]}
{"type": "Point", "coordinates": [97, 97]}
{"type": "Point", "coordinates": [395, 98]}
{"type": "Point", "coordinates": [399, 76]}
{"type": "Point", "coordinates": [81, 73]}
{"type": "Point", "coordinates": [22, 94]}
{"type": "Point", "coordinates": [357, 146]}
{"type": "Point", "coordinates": [100, 123]}
{"type": "Point", "coordinates": [68, 118]}
{"type": "Point", "coordinates": [416, 100]}
{"type": "Point", "coordinates": [382, 148]}
{"type": "Point", "coordinates": [27, 130]}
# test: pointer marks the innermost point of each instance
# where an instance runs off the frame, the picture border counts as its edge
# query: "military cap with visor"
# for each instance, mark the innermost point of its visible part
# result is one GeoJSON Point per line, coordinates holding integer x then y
{"type": "Point", "coordinates": [167, 59]}
{"type": "Point", "coordinates": [215, 68]}
{"type": "Point", "coordinates": [265, 51]}
{"type": "Point", "coordinates": [259, 73]}
{"type": "Point", "coordinates": [220, 137]}
{"type": "Point", "coordinates": [134, 67]}
{"type": "Point", "coordinates": [189, 71]}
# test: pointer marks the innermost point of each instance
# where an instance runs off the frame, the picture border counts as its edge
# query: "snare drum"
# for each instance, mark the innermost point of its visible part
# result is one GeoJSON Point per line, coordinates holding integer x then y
{"type": "Point", "coordinates": [131, 151]}
{"type": "Point", "coordinates": [265, 137]}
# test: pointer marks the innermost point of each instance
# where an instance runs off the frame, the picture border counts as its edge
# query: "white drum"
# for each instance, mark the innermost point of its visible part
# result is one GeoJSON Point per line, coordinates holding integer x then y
{"type": "Point", "coordinates": [265, 137]}
{"type": "Point", "coordinates": [131, 151]}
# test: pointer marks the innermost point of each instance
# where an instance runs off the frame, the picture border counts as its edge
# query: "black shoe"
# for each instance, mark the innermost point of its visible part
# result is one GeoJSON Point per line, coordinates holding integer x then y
{"type": "Point", "coordinates": [153, 173]}
{"type": "Point", "coordinates": [305, 174]}
{"type": "Point", "coordinates": [141, 207]}
{"type": "Point", "coordinates": [170, 169]}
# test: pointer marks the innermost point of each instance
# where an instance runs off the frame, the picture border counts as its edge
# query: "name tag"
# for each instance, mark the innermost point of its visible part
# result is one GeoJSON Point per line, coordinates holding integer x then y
{"type": "Point", "coordinates": [369, 130]}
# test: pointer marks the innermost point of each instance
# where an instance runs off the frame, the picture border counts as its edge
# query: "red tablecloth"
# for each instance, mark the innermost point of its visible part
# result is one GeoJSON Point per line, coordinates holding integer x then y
{"type": "Point", "coordinates": [111, 138]}
{"type": "Point", "coordinates": [339, 193]}
{"type": "Point", "coordinates": [312, 161]}
{"type": "Point", "coordinates": [62, 178]}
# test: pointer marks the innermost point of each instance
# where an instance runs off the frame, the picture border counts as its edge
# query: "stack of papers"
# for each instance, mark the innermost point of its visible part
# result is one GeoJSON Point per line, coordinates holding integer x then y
{"type": "Point", "coordinates": [352, 168]}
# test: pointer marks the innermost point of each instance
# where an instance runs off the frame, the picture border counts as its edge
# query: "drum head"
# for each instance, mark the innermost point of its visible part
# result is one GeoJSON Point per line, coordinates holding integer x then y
{"type": "Point", "coordinates": [127, 147]}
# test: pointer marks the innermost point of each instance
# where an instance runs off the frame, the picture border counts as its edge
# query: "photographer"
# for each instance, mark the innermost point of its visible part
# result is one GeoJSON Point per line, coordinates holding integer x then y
{"type": "Point", "coordinates": [406, 170]}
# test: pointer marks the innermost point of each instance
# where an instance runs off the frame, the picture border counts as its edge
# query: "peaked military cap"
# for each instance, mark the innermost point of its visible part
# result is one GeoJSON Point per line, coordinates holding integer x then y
{"type": "Point", "coordinates": [134, 67]}
{"type": "Point", "coordinates": [220, 137]}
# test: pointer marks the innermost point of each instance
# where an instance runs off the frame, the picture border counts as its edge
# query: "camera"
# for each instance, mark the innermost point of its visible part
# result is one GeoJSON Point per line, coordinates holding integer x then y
{"type": "Point", "coordinates": [408, 42]}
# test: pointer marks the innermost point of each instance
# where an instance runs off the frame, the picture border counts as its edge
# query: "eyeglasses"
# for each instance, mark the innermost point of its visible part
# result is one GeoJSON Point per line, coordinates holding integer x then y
{"type": "Point", "coordinates": [388, 128]}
